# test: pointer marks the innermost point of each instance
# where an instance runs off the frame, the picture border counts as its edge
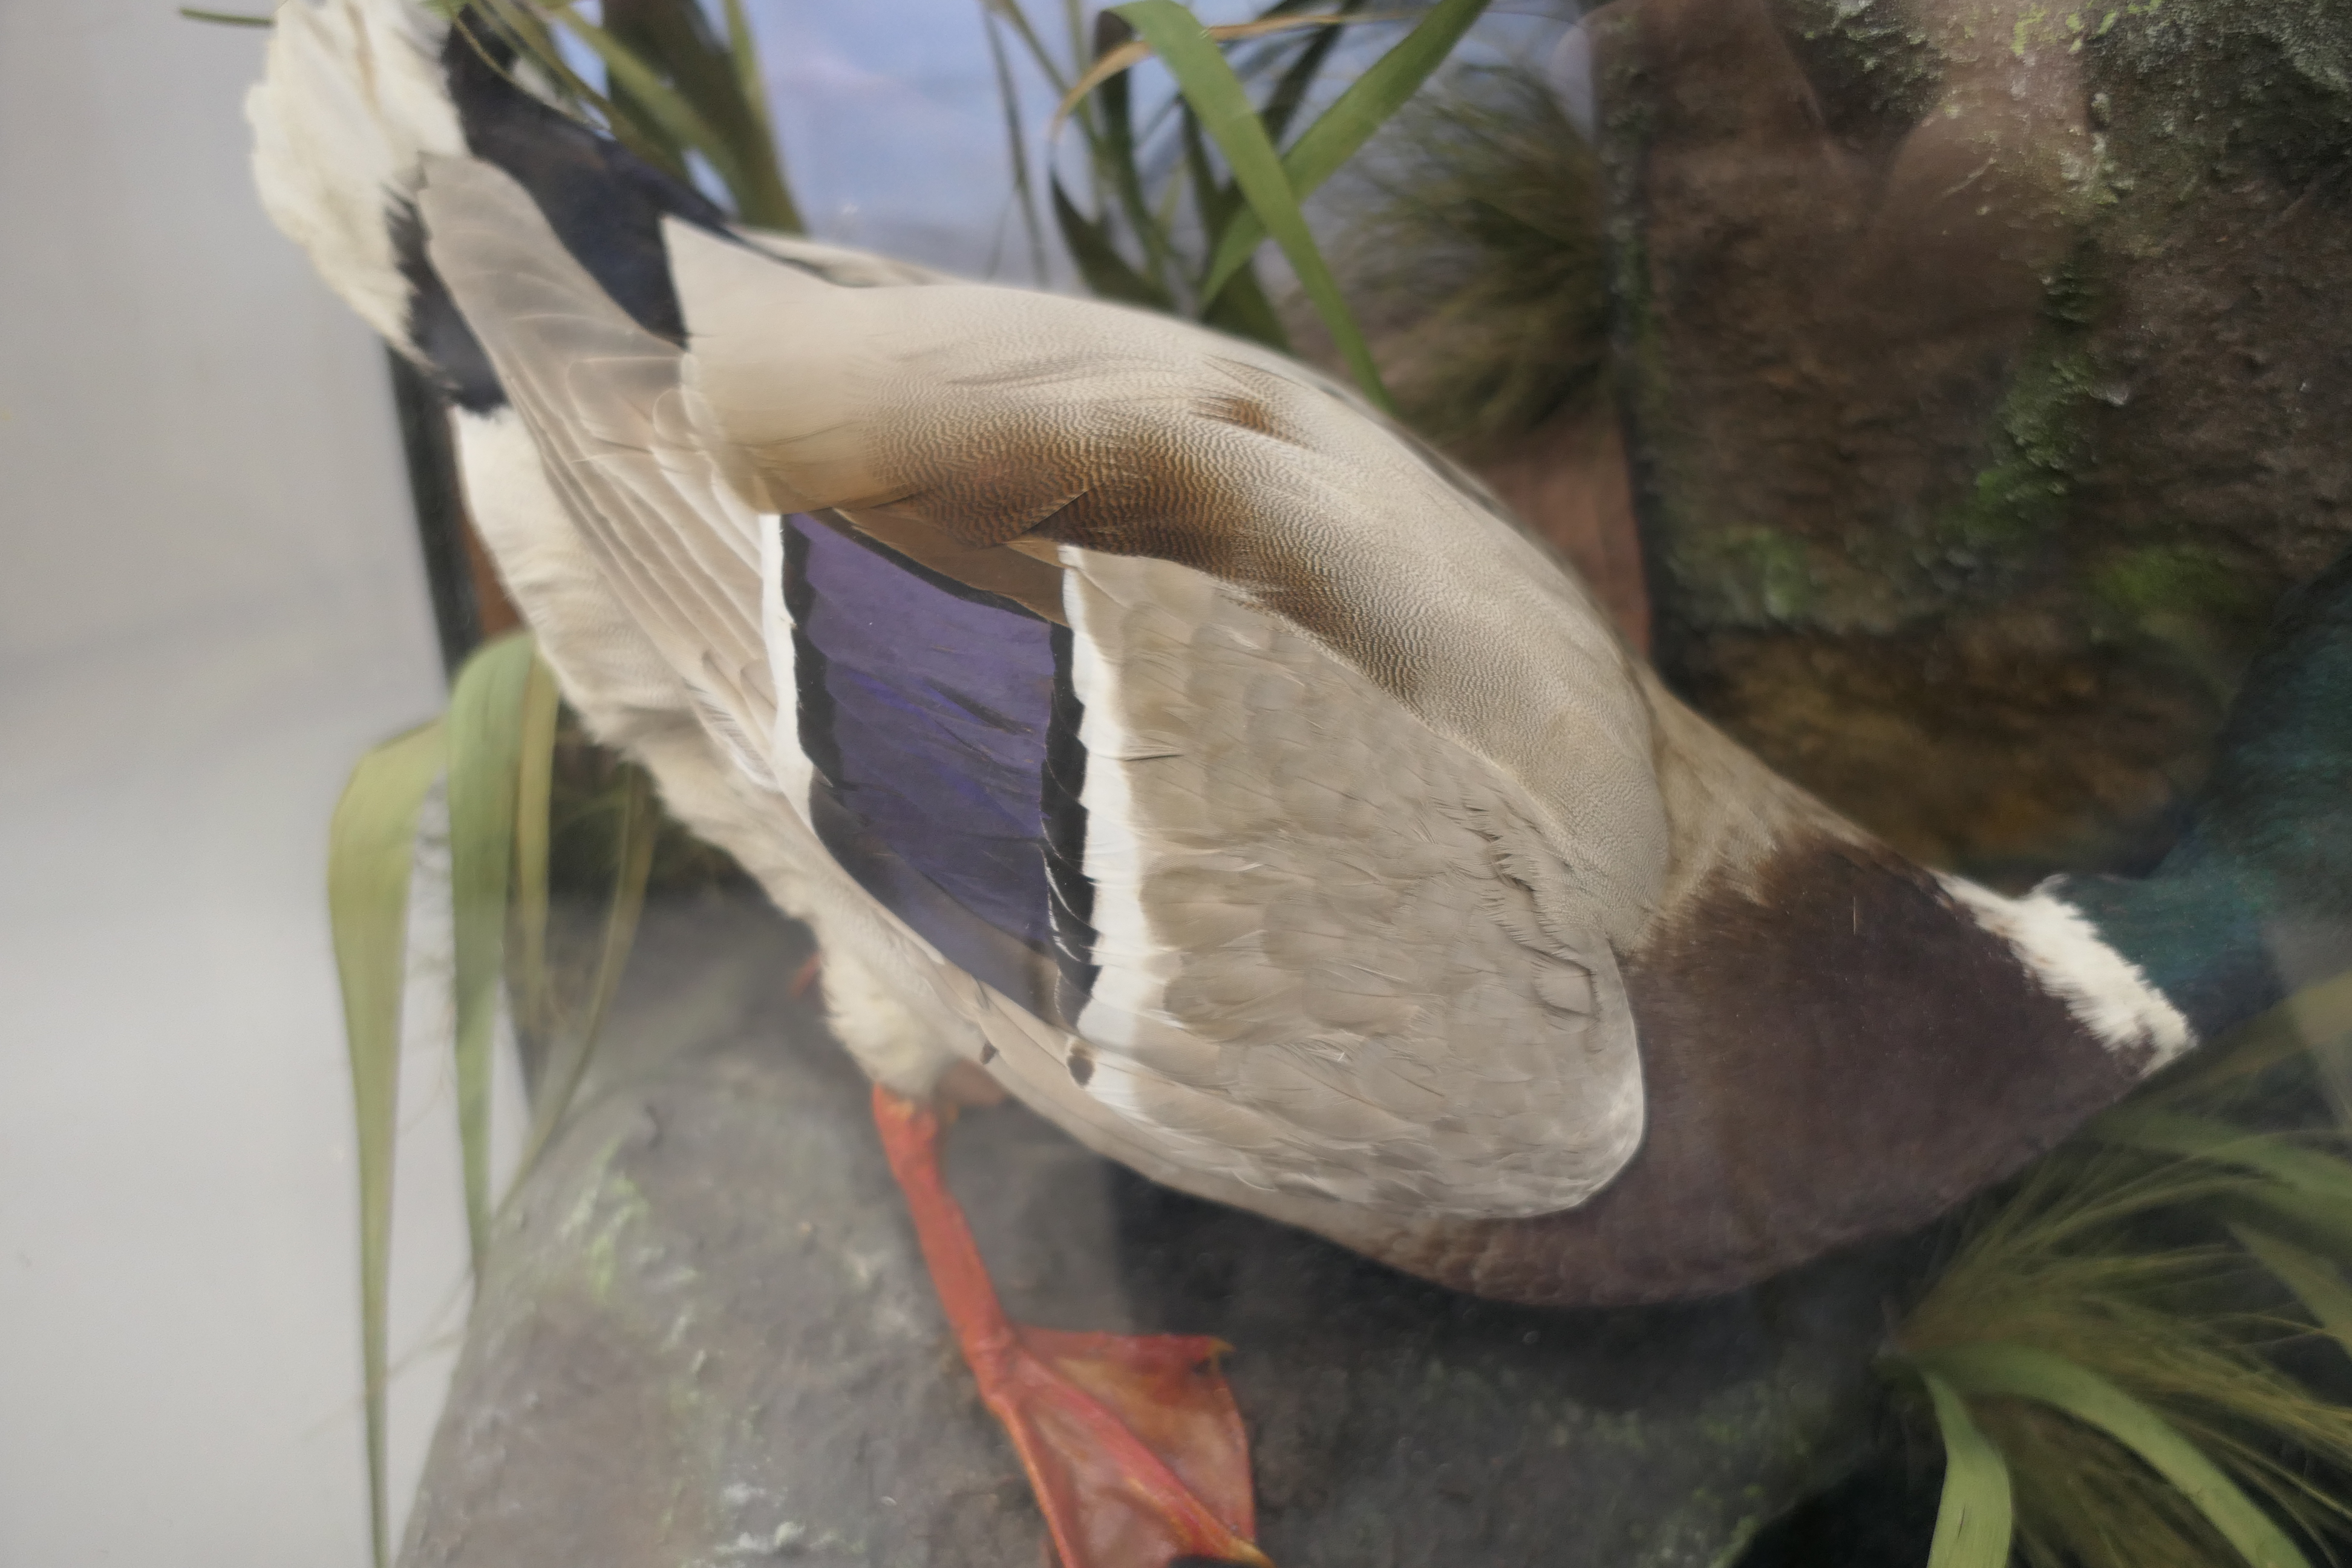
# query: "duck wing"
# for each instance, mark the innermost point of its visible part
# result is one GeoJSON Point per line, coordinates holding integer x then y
{"type": "Point", "coordinates": [1293, 800]}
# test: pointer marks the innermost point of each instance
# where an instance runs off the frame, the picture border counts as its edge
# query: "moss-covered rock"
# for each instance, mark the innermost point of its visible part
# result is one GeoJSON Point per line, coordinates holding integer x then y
{"type": "Point", "coordinates": [1982, 359]}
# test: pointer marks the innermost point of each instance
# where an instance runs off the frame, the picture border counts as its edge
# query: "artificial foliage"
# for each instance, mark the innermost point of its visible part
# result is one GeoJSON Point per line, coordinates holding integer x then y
{"type": "Point", "coordinates": [1478, 259]}
{"type": "Point", "coordinates": [2150, 1330]}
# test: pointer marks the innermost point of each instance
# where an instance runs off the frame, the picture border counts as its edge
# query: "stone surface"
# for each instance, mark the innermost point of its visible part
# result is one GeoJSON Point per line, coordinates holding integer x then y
{"type": "Point", "coordinates": [1980, 361]}
{"type": "Point", "coordinates": [705, 1339]}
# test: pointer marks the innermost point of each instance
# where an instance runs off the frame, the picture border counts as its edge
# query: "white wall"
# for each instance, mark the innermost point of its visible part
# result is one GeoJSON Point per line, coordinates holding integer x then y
{"type": "Point", "coordinates": [210, 602]}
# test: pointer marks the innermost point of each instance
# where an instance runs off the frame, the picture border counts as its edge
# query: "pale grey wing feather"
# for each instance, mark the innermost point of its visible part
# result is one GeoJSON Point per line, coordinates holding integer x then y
{"type": "Point", "coordinates": [1295, 999]}
{"type": "Point", "coordinates": [1353, 935]}
{"type": "Point", "coordinates": [995, 414]}
{"type": "Point", "coordinates": [1326, 964]}
{"type": "Point", "coordinates": [677, 545]}
{"type": "Point", "coordinates": [633, 557]}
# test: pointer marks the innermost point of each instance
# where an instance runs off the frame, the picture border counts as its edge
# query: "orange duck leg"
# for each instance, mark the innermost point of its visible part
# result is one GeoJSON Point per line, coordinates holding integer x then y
{"type": "Point", "coordinates": [1133, 1445]}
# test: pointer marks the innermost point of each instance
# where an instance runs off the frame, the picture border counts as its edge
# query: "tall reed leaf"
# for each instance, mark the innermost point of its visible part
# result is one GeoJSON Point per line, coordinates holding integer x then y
{"type": "Point", "coordinates": [675, 88]}
{"type": "Point", "coordinates": [743, 54]}
{"type": "Point", "coordinates": [485, 738]}
{"type": "Point", "coordinates": [371, 851]}
{"type": "Point", "coordinates": [2022, 1372]}
{"type": "Point", "coordinates": [2316, 1283]}
{"type": "Point", "coordinates": [1111, 62]}
{"type": "Point", "coordinates": [1340, 131]}
{"type": "Point", "coordinates": [1016, 144]}
{"type": "Point", "coordinates": [1241, 307]}
{"type": "Point", "coordinates": [1975, 1518]}
{"type": "Point", "coordinates": [676, 117]}
{"type": "Point", "coordinates": [534, 790]}
{"type": "Point", "coordinates": [574, 1043]}
{"type": "Point", "coordinates": [1225, 113]}
{"type": "Point", "coordinates": [1106, 271]}
{"type": "Point", "coordinates": [2307, 1171]}
{"type": "Point", "coordinates": [718, 78]}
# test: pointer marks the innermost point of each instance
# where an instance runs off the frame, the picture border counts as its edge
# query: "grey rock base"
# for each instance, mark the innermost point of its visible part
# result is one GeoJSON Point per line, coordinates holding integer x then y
{"type": "Point", "coordinates": [706, 1339]}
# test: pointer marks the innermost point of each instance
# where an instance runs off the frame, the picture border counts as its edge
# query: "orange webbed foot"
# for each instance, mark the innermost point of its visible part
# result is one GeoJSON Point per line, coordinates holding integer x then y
{"type": "Point", "coordinates": [1133, 1445]}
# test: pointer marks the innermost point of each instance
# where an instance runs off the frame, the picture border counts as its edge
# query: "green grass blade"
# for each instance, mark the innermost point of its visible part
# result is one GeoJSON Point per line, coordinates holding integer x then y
{"type": "Point", "coordinates": [2303, 1191]}
{"type": "Point", "coordinates": [2317, 1225]}
{"type": "Point", "coordinates": [1214, 204]}
{"type": "Point", "coordinates": [226, 19]}
{"type": "Point", "coordinates": [719, 77]}
{"type": "Point", "coordinates": [2311, 1171]}
{"type": "Point", "coordinates": [535, 793]}
{"type": "Point", "coordinates": [1109, 63]}
{"type": "Point", "coordinates": [758, 199]}
{"type": "Point", "coordinates": [2022, 1372]}
{"type": "Point", "coordinates": [1298, 79]}
{"type": "Point", "coordinates": [1106, 271]}
{"type": "Point", "coordinates": [639, 829]}
{"type": "Point", "coordinates": [1115, 155]}
{"type": "Point", "coordinates": [1340, 131]}
{"type": "Point", "coordinates": [371, 850]}
{"type": "Point", "coordinates": [485, 736]}
{"type": "Point", "coordinates": [527, 30]}
{"type": "Point", "coordinates": [1016, 144]}
{"type": "Point", "coordinates": [1017, 16]}
{"type": "Point", "coordinates": [678, 120]}
{"type": "Point", "coordinates": [1217, 98]}
{"type": "Point", "coordinates": [1241, 307]}
{"type": "Point", "coordinates": [1974, 1519]}
{"type": "Point", "coordinates": [637, 25]}
{"type": "Point", "coordinates": [743, 54]}
{"type": "Point", "coordinates": [532, 38]}
{"type": "Point", "coordinates": [2314, 1281]}
{"type": "Point", "coordinates": [525, 26]}
{"type": "Point", "coordinates": [1074, 27]}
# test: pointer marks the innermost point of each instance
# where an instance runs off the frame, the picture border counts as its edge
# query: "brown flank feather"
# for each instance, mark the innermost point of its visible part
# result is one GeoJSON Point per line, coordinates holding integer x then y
{"type": "Point", "coordinates": [1840, 1055]}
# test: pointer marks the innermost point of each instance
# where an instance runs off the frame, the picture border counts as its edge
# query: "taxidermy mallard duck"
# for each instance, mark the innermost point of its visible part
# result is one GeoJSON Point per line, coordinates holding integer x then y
{"type": "Point", "coordinates": [1151, 731]}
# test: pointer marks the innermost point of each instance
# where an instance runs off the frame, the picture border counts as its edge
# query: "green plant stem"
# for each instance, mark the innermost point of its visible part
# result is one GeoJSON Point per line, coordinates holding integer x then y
{"type": "Point", "coordinates": [1975, 1518]}
{"type": "Point", "coordinates": [2022, 1372]}
{"type": "Point", "coordinates": [2316, 1283]}
{"type": "Point", "coordinates": [568, 1065]}
{"type": "Point", "coordinates": [535, 793]}
{"type": "Point", "coordinates": [1231, 121]}
{"type": "Point", "coordinates": [486, 733]}
{"type": "Point", "coordinates": [1341, 131]}
{"type": "Point", "coordinates": [716, 81]}
{"type": "Point", "coordinates": [371, 856]}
